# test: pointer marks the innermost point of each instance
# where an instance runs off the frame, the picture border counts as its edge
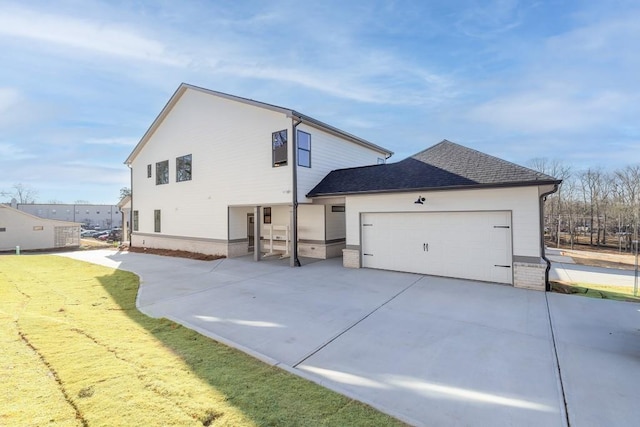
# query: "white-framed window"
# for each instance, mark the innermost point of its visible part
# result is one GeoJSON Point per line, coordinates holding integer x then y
{"type": "Point", "coordinates": [183, 168]}
{"type": "Point", "coordinates": [304, 149]}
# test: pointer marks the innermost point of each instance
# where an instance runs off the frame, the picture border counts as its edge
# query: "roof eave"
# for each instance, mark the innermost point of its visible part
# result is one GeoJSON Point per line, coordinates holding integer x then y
{"type": "Point", "coordinates": [333, 130]}
{"type": "Point", "coordinates": [445, 188]}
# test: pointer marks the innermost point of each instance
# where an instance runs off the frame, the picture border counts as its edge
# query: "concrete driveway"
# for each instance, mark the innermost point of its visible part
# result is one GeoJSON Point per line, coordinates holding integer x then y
{"type": "Point", "coordinates": [427, 350]}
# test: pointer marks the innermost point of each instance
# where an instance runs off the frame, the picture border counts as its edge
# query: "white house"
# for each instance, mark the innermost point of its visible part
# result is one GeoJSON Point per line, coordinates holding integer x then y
{"type": "Point", "coordinates": [30, 232]}
{"type": "Point", "coordinates": [215, 170]}
{"type": "Point", "coordinates": [212, 163]}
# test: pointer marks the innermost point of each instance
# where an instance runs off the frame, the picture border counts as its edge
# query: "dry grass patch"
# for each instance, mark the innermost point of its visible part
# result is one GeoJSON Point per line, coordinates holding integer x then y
{"type": "Point", "coordinates": [75, 351]}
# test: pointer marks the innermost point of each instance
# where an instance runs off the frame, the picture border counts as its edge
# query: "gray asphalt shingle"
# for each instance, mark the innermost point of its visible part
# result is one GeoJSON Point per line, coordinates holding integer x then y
{"type": "Point", "coordinates": [445, 165]}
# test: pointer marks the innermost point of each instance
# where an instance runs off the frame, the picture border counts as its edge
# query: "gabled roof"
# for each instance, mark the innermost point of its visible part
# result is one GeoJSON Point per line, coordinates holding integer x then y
{"type": "Point", "coordinates": [288, 112]}
{"type": "Point", "coordinates": [444, 166]}
{"type": "Point", "coordinates": [13, 211]}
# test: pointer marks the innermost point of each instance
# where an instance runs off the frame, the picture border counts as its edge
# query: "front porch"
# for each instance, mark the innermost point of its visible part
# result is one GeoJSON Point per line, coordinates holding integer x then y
{"type": "Point", "coordinates": [269, 230]}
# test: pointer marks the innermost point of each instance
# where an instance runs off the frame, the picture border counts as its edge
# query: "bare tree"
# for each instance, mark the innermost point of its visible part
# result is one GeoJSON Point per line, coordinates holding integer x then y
{"type": "Point", "coordinates": [627, 185]}
{"type": "Point", "coordinates": [558, 170]}
{"type": "Point", "coordinates": [23, 193]}
{"type": "Point", "coordinates": [124, 192]}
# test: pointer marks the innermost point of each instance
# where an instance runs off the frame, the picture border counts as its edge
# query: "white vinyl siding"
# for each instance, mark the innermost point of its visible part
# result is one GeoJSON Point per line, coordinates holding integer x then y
{"type": "Point", "coordinates": [335, 224]}
{"type": "Point", "coordinates": [329, 153]}
{"type": "Point", "coordinates": [30, 232]}
{"type": "Point", "coordinates": [232, 144]}
{"type": "Point", "coordinates": [311, 222]}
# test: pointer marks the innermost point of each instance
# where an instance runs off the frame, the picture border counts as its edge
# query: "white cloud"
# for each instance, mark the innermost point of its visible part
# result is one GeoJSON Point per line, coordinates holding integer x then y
{"type": "Point", "coordinates": [98, 37]}
{"type": "Point", "coordinates": [10, 152]}
{"type": "Point", "coordinates": [490, 18]}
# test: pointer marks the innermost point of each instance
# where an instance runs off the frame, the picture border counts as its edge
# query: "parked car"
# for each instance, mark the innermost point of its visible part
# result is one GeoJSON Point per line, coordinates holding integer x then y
{"type": "Point", "coordinates": [99, 234]}
{"type": "Point", "coordinates": [87, 233]}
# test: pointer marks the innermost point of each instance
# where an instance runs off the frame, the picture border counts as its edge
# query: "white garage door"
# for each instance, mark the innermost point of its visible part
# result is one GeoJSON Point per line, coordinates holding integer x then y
{"type": "Point", "coordinates": [468, 245]}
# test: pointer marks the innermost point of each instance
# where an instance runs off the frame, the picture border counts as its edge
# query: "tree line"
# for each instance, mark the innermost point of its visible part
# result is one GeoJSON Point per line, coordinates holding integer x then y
{"type": "Point", "coordinates": [592, 206]}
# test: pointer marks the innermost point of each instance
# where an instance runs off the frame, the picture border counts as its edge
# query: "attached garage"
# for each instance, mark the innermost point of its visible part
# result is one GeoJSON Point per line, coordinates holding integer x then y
{"type": "Point", "coordinates": [446, 211]}
{"type": "Point", "coordinates": [468, 245]}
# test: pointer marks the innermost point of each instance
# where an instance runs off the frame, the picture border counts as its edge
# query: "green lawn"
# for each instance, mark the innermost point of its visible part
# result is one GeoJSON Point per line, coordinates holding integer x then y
{"type": "Point", "coordinates": [618, 293]}
{"type": "Point", "coordinates": [74, 350]}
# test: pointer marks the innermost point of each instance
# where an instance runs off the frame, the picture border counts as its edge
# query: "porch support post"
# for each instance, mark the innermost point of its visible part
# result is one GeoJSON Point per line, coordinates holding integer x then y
{"type": "Point", "coordinates": [256, 233]}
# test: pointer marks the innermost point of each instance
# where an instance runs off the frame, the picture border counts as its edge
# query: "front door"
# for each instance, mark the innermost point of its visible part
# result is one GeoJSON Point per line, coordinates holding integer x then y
{"type": "Point", "coordinates": [250, 231]}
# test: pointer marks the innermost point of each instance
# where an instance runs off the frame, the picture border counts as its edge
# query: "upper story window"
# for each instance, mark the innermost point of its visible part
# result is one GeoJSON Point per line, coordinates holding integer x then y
{"type": "Point", "coordinates": [162, 172]}
{"type": "Point", "coordinates": [148, 171]}
{"type": "Point", "coordinates": [304, 149]}
{"type": "Point", "coordinates": [183, 168]}
{"type": "Point", "coordinates": [279, 148]}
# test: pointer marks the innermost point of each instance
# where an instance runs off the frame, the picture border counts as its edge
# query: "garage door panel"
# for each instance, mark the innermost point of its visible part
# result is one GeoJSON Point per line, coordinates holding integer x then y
{"type": "Point", "coordinates": [470, 245]}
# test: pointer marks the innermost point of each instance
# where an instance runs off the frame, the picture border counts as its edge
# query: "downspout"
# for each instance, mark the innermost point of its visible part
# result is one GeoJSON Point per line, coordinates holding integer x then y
{"type": "Point", "coordinates": [295, 262]}
{"type": "Point", "coordinates": [130, 227]}
{"type": "Point", "coordinates": [543, 197]}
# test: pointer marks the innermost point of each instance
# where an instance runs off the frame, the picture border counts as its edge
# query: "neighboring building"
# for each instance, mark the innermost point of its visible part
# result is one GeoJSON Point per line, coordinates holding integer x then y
{"type": "Point", "coordinates": [91, 216]}
{"type": "Point", "coordinates": [33, 233]}
{"type": "Point", "coordinates": [214, 170]}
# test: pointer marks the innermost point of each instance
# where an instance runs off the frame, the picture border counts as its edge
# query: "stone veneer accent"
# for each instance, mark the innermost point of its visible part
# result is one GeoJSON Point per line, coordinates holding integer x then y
{"type": "Point", "coordinates": [529, 275]}
{"type": "Point", "coordinates": [351, 258]}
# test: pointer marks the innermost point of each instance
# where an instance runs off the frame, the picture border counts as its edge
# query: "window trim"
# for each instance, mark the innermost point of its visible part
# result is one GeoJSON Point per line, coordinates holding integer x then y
{"type": "Point", "coordinates": [160, 176]}
{"type": "Point", "coordinates": [338, 208]}
{"type": "Point", "coordinates": [303, 149]}
{"type": "Point", "coordinates": [180, 166]}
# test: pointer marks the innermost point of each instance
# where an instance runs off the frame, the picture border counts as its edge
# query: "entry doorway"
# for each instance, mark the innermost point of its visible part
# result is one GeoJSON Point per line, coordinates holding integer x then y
{"type": "Point", "coordinates": [251, 232]}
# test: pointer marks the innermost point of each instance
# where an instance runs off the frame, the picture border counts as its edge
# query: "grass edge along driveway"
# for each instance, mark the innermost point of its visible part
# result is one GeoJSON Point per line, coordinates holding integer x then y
{"type": "Point", "coordinates": [75, 350]}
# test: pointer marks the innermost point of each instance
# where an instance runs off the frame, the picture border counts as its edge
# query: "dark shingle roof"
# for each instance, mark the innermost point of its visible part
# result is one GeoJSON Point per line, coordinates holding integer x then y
{"type": "Point", "coordinates": [446, 165]}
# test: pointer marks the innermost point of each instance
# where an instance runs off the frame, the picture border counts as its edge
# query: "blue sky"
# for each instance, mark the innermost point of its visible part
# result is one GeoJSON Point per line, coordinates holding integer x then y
{"type": "Point", "coordinates": [82, 80]}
